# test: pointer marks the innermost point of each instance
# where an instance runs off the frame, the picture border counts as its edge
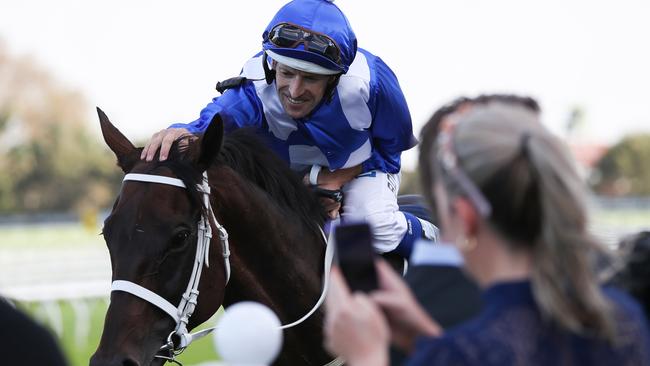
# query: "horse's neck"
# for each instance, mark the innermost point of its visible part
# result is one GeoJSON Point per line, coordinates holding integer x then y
{"type": "Point", "coordinates": [268, 245]}
{"type": "Point", "coordinates": [277, 260]}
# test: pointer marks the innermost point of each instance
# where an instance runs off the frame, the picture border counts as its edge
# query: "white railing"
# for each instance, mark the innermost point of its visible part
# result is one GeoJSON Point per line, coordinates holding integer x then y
{"type": "Point", "coordinates": [78, 275]}
{"type": "Point", "coordinates": [63, 273]}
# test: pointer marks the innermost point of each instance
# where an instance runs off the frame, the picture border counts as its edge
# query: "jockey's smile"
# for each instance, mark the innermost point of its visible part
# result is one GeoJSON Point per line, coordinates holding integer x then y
{"type": "Point", "coordinates": [300, 92]}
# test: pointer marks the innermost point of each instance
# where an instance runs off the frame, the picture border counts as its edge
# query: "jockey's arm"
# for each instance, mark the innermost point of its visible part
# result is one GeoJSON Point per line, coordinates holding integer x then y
{"type": "Point", "coordinates": [336, 179]}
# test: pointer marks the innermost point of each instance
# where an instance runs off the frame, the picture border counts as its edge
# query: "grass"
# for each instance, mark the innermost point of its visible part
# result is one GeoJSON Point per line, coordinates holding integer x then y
{"type": "Point", "coordinates": [79, 346]}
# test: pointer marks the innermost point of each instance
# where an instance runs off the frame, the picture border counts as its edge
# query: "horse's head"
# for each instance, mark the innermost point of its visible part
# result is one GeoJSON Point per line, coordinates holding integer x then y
{"type": "Point", "coordinates": [151, 234]}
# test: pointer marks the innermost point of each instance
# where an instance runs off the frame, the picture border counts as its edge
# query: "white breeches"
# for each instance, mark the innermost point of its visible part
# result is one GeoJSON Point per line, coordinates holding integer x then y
{"type": "Point", "coordinates": [372, 197]}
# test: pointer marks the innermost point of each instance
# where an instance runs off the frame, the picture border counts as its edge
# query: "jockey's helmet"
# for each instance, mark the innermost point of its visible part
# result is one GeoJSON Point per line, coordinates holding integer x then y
{"type": "Point", "coordinates": [312, 36]}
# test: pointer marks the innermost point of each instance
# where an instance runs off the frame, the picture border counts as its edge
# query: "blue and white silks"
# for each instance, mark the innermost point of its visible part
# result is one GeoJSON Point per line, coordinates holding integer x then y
{"type": "Point", "coordinates": [367, 121]}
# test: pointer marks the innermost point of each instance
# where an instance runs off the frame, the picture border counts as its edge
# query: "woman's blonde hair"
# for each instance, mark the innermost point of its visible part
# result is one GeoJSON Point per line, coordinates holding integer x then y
{"type": "Point", "coordinates": [537, 202]}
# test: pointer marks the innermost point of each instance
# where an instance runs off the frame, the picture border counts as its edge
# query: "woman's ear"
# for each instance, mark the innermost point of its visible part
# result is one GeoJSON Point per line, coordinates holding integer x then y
{"type": "Point", "coordinates": [468, 214]}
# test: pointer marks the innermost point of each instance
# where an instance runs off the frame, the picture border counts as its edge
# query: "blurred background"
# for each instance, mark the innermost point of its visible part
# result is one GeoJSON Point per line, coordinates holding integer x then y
{"type": "Point", "coordinates": [148, 64]}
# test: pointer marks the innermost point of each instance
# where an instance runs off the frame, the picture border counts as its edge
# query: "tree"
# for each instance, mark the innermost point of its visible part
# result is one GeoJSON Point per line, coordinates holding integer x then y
{"type": "Point", "coordinates": [48, 158]}
{"type": "Point", "coordinates": [625, 168]}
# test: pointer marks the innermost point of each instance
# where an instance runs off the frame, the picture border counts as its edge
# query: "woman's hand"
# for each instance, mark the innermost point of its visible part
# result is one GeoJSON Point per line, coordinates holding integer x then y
{"type": "Point", "coordinates": [355, 328]}
{"type": "Point", "coordinates": [406, 317]}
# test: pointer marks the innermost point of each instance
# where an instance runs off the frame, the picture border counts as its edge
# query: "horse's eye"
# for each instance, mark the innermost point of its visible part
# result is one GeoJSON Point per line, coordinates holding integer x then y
{"type": "Point", "coordinates": [181, 237]}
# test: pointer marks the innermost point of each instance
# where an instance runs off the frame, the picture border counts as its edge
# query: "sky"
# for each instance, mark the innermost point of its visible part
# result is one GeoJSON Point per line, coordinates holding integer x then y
{"type": "Point", "coordinates": [148, 64]}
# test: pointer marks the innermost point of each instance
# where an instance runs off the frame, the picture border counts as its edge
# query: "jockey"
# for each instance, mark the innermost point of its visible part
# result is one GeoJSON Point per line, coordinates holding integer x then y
{"type": "Point", "coordinates": [332, 111]}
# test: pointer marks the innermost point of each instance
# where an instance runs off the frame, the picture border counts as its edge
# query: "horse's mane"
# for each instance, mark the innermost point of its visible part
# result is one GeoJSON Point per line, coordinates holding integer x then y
{"type": "Point", "coordinates": [249, 156]}
{"type": "Point", "coordinates": [246, 154]}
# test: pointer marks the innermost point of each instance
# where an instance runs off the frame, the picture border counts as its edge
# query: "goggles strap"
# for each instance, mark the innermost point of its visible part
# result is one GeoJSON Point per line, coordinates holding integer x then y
{"type": "Point", "coordinates": [269, 73]}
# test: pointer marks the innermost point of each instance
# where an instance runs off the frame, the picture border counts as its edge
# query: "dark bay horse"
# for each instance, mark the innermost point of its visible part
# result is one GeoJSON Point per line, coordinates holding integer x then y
{"type": "Point", "coordinates": [276, 247]}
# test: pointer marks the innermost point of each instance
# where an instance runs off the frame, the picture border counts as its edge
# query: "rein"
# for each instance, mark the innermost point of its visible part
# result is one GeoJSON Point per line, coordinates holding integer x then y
{"type": "Point", "coordinates": [182, 313]}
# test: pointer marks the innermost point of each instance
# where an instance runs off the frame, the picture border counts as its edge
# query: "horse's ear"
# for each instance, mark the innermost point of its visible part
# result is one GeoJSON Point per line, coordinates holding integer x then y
{"type": "Point", "coordinates": [117, 142]}
{"type": "Point", "coordinates": [210, 143]}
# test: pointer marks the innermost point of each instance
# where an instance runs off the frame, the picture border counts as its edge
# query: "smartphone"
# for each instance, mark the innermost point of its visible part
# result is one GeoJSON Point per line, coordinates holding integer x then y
{"type": "Point", "coordinates": [356, 256]}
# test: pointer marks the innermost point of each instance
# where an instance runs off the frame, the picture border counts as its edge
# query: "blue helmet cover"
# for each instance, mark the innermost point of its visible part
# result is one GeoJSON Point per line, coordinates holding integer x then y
{"type": "Point", "coordinates": [320, 16]}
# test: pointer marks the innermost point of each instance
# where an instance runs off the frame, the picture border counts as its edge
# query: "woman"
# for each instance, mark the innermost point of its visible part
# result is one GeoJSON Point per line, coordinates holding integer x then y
{"type": "Point", "coordinates": [509, 198]}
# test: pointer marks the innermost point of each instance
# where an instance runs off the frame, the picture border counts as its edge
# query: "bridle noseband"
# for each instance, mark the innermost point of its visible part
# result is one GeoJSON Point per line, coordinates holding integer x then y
{"type": "Point", "coordinates": [182, 313]}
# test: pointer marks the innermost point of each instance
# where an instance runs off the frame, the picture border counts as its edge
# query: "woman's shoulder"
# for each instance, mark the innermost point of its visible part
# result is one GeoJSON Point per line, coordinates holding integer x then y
{"type": "Point", "coordinates": [465, 345]}
{"type": "Point", "coordinates": [625, 306]}
{"type": "Point", "coordinates": [438, 351]}
{"type": "Point", "coordinates": [630, 318]}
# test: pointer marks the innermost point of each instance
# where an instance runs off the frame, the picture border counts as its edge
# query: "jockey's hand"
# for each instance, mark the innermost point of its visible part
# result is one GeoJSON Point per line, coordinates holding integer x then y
{"type": "Point", "coordinates": [331, 207]}
{"type": "Point", "coordinates": [163, 139]}
{"type": "Point", "coordinates": [334, 180]}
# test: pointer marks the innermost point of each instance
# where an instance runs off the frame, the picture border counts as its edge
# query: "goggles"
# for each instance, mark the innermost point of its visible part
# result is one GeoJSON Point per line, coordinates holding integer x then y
{"type": "Point", "coordinates": [449, 162]}
{"type": "Point", "coordinates": [287, 35]}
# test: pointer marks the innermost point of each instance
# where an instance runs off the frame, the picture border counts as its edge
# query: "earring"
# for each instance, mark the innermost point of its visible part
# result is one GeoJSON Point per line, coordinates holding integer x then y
{"type": "Point", "coordinates": [468, 244]}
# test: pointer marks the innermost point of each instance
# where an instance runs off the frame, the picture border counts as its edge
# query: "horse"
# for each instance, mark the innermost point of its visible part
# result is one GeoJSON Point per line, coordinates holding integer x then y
{"type": "Point", "coordinates": [270, 248]}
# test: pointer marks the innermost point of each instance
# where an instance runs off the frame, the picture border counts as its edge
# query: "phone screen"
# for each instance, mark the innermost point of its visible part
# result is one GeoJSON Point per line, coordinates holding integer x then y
{"type": "Point", "coordinates": [355, 255]}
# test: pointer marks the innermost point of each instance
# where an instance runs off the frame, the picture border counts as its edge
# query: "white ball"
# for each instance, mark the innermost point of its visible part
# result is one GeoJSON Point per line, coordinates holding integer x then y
{"type": "Point", "coordinates": [248, 333]}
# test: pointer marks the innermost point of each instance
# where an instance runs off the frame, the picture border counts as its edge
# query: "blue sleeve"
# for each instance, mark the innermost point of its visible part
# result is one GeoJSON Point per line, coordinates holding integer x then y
{"type": "Point", "coordinates": [238, 107]}
{"type": "Point", "coordinates": [391, 129]}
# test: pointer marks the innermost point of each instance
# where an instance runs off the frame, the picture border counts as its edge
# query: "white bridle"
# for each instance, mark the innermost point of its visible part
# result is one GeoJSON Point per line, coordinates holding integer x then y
{"type": "Point", "coordinates": [182, 313]}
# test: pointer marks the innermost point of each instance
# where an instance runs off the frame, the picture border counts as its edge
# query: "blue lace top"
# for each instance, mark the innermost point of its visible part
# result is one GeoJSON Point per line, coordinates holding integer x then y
{"type": "Point", "coordinates": [510, 331]}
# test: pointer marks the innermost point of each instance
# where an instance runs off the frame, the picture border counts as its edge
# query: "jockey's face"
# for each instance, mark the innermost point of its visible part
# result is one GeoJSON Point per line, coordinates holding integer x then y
{"type": "Point", "coordinates": [299, 91]}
